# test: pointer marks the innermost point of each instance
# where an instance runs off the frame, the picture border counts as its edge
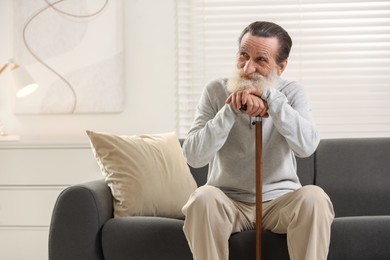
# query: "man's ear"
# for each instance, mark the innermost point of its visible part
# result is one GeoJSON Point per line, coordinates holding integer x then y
{"type": "Point", "coordinates": [282, 67]}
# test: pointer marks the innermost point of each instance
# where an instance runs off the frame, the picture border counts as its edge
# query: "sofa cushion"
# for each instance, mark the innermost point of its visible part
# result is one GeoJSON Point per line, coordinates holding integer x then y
{"type": "Point", "coordinates": [147, 174]}
{"type": "Point", "coordinates": [242, 245]}
{"type": "Point", "coordinates": [144, 238]}
{"type": "Point", "coordinates": [360, 238]}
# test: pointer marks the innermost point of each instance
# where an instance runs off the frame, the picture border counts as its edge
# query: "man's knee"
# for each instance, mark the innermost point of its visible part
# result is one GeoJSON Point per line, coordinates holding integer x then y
{"type": "Point", "coordinates": [201, 199]}
{"type": "Point", "coordinates": [314, 198]}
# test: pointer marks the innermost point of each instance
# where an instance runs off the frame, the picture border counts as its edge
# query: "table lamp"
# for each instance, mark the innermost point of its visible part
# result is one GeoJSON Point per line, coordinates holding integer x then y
{"type": "Point", "coordinates": [24, 85]}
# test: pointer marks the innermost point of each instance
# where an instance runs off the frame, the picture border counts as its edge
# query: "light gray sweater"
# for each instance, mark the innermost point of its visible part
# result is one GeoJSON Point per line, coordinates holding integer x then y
{"type": "Point", "coordinates": [225, 139]}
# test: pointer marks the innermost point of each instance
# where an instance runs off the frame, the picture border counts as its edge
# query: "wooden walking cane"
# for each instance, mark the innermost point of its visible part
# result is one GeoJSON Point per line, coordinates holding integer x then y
{"type": "Point", "coordinates": [259, 185]}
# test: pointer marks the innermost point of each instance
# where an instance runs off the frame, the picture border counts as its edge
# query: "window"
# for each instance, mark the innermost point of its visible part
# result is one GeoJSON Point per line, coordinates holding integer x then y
{"type": "Point", "coordinates": [341, 54]}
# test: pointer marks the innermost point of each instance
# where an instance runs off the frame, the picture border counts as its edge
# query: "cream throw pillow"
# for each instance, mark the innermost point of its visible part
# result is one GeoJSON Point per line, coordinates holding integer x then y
{"type": "Point", "coordinates": [147, 174]}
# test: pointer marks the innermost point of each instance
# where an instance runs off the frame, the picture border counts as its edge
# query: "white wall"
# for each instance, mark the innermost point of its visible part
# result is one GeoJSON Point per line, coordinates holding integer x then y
{"type": "Point", "coordinates": [149, 83]}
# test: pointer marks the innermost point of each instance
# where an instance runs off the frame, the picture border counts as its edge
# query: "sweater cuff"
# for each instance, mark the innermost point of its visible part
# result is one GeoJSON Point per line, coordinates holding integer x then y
{"type": "Point", "coordinates": [230, 112]}
{"type": "Point", "coordinates": [265, 95]}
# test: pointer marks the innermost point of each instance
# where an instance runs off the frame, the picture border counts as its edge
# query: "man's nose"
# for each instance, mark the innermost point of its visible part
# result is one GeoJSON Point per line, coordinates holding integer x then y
{"type": "Point", "coordinates": [249, 67]}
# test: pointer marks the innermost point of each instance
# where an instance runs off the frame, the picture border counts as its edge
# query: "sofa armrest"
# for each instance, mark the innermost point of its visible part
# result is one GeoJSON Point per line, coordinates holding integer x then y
{"type": "Point", "coordinates": [78, 216]}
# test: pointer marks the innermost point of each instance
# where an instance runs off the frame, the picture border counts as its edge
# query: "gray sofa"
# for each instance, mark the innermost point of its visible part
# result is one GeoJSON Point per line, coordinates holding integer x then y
{"type": "Point", "coordinates": [354, 172]}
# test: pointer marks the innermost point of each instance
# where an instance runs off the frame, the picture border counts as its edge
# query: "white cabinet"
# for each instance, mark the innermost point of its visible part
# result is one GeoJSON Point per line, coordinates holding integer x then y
{"type": "Point", "coordinates": [31, 177]}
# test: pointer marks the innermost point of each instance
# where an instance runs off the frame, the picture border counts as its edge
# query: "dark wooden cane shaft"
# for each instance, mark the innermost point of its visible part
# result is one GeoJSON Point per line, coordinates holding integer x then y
{"type": "Point", "coordinates": [259, 187]}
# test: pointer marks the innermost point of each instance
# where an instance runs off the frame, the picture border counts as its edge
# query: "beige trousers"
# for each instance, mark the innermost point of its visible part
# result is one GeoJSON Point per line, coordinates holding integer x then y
{"type": "Point", "coordinates": [305, 215]}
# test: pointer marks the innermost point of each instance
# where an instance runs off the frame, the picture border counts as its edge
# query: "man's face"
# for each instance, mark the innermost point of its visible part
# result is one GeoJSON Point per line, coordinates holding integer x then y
{"type": "Point", "coordinates": [258, 55]}
{"type": "Point", "coordinates": [256, 64]}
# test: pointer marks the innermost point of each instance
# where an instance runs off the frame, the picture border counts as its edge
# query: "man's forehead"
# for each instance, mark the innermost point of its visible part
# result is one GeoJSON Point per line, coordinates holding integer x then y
{"type": "Point", "coordinates": [259, 45]}
{"type": "Point", "coordinates": [256, 51]}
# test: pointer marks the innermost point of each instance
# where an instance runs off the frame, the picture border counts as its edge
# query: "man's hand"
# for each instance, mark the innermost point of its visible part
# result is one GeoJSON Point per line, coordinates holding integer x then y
{"type": "Point", "coordinates": [250, 97]}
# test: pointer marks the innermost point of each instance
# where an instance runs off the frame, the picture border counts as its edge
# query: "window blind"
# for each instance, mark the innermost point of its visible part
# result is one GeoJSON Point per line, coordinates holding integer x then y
{"type": "Point", "coordinates": [341, 54]}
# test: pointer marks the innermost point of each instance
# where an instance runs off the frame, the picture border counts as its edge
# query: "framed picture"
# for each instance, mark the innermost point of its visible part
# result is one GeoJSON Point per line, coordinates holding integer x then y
{"type": "Point", "coordinates": [74, 50]}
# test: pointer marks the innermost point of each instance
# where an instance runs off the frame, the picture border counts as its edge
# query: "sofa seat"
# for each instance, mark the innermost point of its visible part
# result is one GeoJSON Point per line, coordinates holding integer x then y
{"type": "Point", "coordinates": [360, 237]}
{"type": "Point", "coordinates": [131, 237]}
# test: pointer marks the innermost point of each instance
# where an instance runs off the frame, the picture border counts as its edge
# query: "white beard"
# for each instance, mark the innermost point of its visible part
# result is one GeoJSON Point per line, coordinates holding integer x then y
{"type": "Point", "coordinates": [238, 82]}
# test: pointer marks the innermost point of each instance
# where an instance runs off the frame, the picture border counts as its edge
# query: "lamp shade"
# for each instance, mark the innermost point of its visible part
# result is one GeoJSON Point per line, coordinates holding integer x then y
{"type": "Point", "coordinates": [24, 83]}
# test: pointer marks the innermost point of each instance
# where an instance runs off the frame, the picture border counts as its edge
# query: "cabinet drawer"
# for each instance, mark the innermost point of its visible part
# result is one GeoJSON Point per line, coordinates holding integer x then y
{"type": "Point", "coordinates": [24, 243]}
{"type": "Point", "coordinates": [49, 166]}
{"type": "Point", "coordinates": [27, 206]}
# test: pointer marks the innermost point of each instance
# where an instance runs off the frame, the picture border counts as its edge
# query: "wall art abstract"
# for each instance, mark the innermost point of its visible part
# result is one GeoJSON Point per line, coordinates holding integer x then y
{"type": "Point", "coordinates": [74, 50]}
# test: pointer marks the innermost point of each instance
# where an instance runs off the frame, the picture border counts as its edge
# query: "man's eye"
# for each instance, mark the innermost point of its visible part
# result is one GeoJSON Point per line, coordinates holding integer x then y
{"type": "Point", "coordinates": [244, 55]}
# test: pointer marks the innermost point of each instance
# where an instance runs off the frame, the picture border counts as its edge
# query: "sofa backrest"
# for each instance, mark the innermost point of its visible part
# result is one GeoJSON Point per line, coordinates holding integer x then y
{"type": "Point", "coordinates": [354, 172]}
{"type": "Point", "coordinates": [356, 175]}
{"type": "Point", "coordinates": [200, 174]}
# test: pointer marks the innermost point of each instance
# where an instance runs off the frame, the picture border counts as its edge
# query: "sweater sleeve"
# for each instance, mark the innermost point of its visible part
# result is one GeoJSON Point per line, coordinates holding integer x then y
{"type": "Point", "coordinates": [290, 111]}
{"type": "Point", "coordinates": [210, 129]}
